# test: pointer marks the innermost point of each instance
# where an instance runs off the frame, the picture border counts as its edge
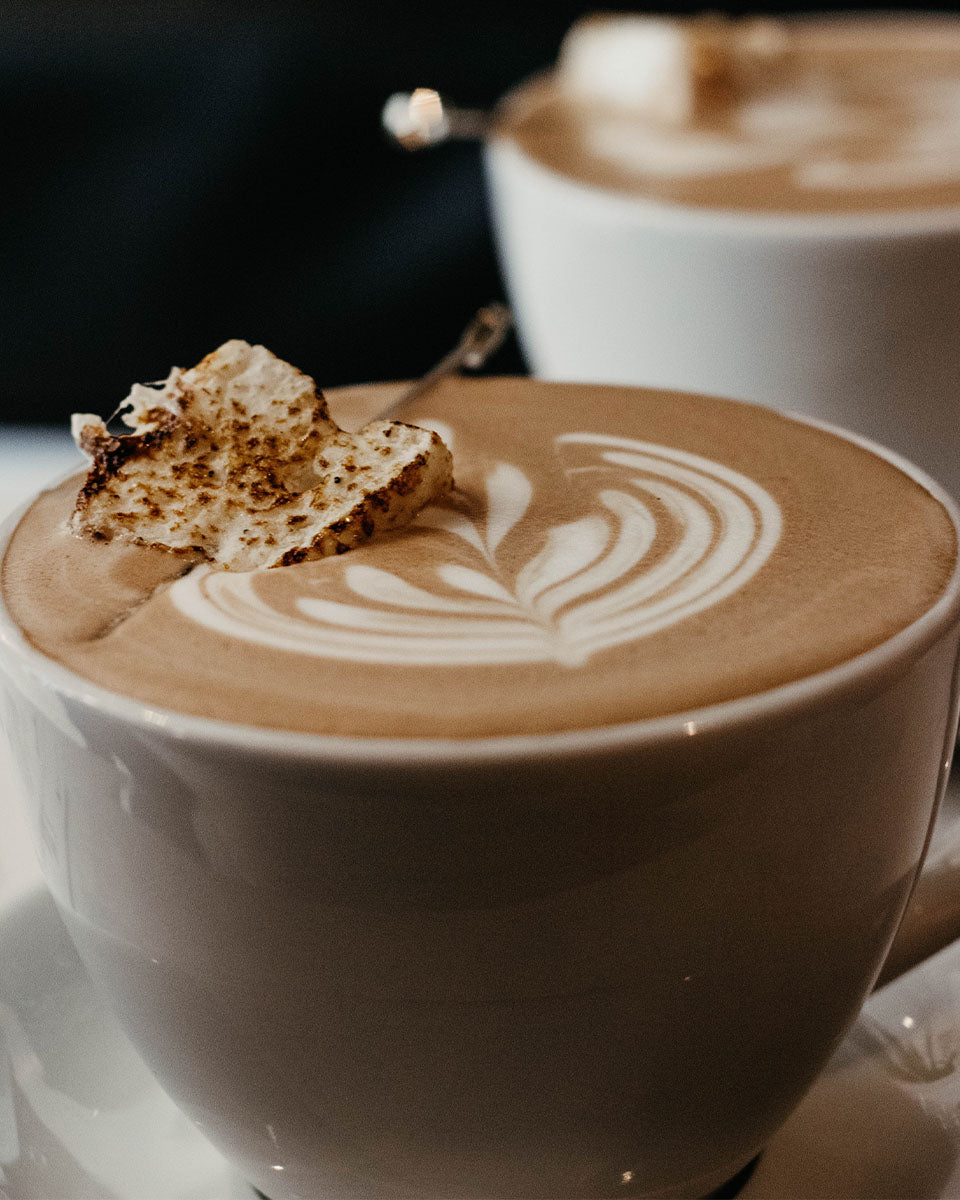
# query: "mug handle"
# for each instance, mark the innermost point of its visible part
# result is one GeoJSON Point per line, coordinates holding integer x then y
{"type": "Point", "coordinates": [932, 918]}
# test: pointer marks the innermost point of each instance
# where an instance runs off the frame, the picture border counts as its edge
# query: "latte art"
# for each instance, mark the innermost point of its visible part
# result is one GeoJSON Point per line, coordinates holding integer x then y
{"type": "Point", "coordinates": [805, 149]}
{"type": "Point", "coordinates": [608, 554]}
{"type": "Point", "coordinates": [862, 113]}
{"type": "Point", "coordinates": [584, 589]}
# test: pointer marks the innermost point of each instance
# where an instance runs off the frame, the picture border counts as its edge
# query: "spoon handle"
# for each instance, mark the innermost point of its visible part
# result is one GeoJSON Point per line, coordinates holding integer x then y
{"type": "Point", "coordinates": [481, 338]}
{"type": "Point", "coordinates": [422, 118]}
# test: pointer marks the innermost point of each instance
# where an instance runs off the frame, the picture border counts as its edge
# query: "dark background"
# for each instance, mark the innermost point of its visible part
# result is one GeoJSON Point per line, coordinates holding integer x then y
{"type": "Point", "coordinates": [174, 175]}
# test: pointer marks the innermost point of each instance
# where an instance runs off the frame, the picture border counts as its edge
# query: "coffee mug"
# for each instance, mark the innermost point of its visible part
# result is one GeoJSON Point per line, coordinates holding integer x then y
{"type": "Point", "coordinates": [849, 317]}
{"type": "Point", "coordinates": [595, 963]}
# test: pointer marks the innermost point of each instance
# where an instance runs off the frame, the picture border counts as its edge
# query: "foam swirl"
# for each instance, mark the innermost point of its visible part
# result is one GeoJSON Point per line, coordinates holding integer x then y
{"type": "Point", "coordinates": [675, 535]}
{"type": "Point", "coordinates": [906, 135]}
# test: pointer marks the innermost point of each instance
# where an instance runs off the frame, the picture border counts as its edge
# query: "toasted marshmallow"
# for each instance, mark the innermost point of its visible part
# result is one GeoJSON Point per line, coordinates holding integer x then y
{"type": "Point", "coordinates": [666, 69]}
{"type": "Point", "coordinates": [237, 461]}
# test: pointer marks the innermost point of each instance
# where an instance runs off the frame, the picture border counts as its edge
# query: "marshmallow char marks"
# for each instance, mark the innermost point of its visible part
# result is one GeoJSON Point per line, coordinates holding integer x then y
{"type": "Point", "coordinates": [238, 461]}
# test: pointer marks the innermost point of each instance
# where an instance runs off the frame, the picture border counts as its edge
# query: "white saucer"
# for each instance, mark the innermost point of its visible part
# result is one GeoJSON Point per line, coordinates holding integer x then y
{"type": "Point", "coordinates": [81, 1118]}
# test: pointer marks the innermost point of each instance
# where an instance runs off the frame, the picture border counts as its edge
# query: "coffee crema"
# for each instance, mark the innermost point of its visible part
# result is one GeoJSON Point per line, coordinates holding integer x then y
{"type": "Point", "coordinates": [608, 554]}
{"type": "Point", "coordinates": [863, 115]}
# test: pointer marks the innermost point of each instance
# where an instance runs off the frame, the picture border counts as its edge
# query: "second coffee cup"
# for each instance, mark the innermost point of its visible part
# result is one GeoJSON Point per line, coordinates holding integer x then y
{"type": "Point", "coordinates": [798, 245]}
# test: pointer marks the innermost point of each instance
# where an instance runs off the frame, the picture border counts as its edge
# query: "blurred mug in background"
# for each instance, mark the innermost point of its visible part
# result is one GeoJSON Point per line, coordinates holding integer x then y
{"type": "Point", "coordinates": [763, 209]}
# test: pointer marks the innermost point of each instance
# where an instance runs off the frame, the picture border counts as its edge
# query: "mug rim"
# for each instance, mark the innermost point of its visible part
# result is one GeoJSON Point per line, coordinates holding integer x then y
{"type": "Point", "coordinates": [644, 211]}
{"type": "Point", "coordinates": [781, 701]}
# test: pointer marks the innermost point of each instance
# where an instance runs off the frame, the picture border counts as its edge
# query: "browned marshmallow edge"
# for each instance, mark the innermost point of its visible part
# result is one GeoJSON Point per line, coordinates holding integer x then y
{"type": "Point", "coordinates": [238, 461]}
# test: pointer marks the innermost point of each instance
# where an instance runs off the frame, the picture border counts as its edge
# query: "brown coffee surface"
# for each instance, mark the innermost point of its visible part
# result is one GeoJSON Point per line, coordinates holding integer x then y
{"type": "Point", "coordinates": [609, 554]}
{"type": "Point", "coordinates": [863, 116]}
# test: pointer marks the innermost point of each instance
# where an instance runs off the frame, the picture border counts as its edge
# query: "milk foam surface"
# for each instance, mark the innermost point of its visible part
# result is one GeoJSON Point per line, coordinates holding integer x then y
{"type": "Point", "coordinates": [608, 554]}
{"type": "Point", "coordinates": [862, 114]}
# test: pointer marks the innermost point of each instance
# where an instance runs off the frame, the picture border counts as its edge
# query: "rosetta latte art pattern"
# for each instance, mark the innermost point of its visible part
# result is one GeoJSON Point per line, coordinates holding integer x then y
{"type": "Point", "coordinates": [677, 534]}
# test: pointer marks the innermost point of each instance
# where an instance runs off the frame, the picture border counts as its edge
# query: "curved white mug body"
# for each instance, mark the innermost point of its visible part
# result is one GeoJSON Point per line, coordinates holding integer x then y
{"type": "Point", "coordinates": [599, 963]}
{"type": "Point", "coordinates": [851, 318]}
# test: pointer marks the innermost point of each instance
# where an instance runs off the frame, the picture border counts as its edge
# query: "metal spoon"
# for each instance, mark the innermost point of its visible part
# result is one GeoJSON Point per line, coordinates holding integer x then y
{"type": "Point", "coordinates": [422, 118]}
{"type": "Point", "coordinates": [479, 340]}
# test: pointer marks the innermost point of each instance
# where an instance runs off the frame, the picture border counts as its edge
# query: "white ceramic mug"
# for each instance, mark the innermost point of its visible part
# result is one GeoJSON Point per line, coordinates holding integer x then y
{"type": "Point", "coordinates": [853, 319]}
{"type": "Point", "coordinates": [593, 964]}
